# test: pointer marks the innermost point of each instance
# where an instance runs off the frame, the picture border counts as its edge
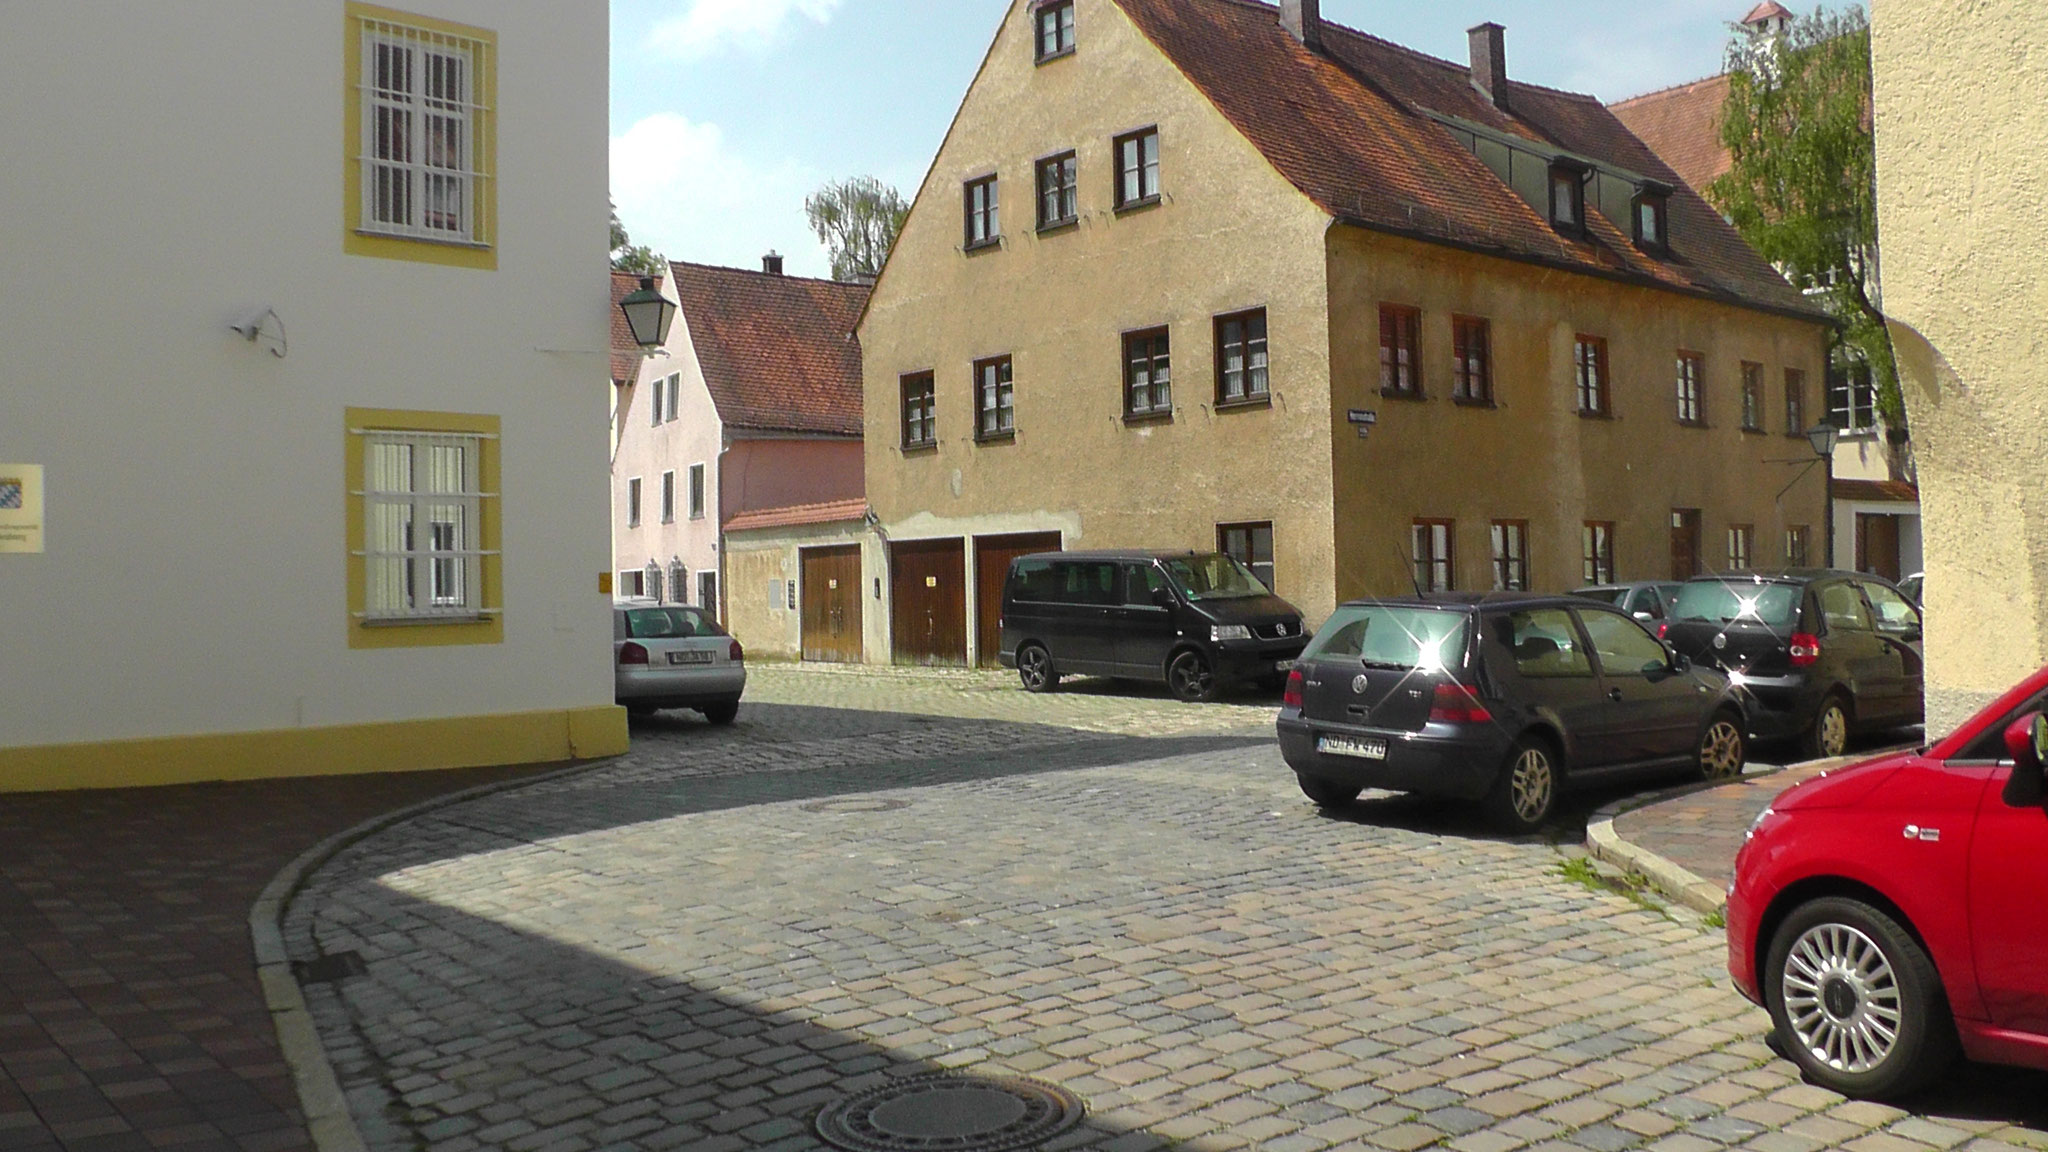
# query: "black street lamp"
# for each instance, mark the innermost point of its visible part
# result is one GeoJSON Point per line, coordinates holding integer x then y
{"type": "Point", "coordinates": [649, 314]}
{"type": "Point", "coordinates": [1824, 436]}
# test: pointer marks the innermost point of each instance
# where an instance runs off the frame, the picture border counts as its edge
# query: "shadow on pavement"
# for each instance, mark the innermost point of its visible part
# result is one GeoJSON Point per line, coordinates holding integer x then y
{"type": "Point", "coordinates": [1985, 1092]}
{"type": "Point", "coordinates": [517, 1039]}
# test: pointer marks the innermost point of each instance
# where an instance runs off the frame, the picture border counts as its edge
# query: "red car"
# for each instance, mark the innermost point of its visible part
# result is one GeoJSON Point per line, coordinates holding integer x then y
{"type": "Point", "coordinates": [1895, 912]}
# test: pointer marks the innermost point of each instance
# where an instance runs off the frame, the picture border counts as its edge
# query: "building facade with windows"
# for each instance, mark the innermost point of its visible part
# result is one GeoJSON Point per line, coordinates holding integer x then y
{"type": "Point", "coordinates": [1367, 319]}
{"type": "Point", "coordinates": [330, 496]}
{"type": "Point", "coordinates": [754, 403]}
{"type": "Point", "coordinates": [1969, 314]}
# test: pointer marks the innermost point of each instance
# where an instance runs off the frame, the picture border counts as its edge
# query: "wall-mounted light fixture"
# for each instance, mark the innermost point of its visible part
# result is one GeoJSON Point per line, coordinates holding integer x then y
{"type": "Point", "coordinates": [262, 324]}
{"type": "Point", "coordinates": [649, 314]}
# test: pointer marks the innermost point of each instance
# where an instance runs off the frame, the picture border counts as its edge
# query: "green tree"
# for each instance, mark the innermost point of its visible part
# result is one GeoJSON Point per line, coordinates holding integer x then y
{"type": "Point", "coordinates": [630, 257]}
{"type": "Point", "coordinates": [1803, 186]}
{"type": "Point", "coordinates": [857, 220]}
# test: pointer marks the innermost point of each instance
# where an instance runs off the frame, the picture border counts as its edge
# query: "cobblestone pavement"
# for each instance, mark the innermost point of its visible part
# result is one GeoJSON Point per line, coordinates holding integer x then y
{"type": "Point", "coordinates": [701, 944]}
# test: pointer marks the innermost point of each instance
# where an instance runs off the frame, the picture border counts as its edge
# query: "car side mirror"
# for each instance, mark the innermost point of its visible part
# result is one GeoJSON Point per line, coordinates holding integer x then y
{"type": "Point", "coordinates": [1644, 616]}
{"type": "Point", "coordinates": [2026, 741]}
{"type": "Point", "coordinates": [1162, 597]}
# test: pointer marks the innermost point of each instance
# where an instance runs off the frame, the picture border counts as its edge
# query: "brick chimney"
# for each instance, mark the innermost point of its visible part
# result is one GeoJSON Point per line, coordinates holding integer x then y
{"type": "Point", "coordinates": [772, 264]}
{"type": "Point", "coordinates": [1490, 62]}
{"type": "Point", "coordinates": [1303, 18]}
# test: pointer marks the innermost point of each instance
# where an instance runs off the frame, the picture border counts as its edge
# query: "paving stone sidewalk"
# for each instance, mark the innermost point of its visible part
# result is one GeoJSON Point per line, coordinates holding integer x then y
{"type": "Point", "coordinates": [130, 1016]}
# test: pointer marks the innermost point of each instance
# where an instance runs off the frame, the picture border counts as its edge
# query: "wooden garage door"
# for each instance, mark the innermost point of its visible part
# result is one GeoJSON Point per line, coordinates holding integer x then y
{"type": "Point", "coordinates": [928, 605]}
{"type": "Point", "coordinates": [992, 556]}
{"type": "Point", "coordinates": [831, 601]}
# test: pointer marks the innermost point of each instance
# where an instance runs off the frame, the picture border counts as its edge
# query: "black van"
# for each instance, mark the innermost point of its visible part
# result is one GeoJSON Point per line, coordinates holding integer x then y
{"type": "Point", "coordinates": [1192, 619]}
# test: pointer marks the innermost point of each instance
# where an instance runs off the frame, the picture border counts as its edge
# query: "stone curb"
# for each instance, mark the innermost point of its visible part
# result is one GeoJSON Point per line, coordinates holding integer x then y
{"type": "Point", "coordinates": [1668, 878]}
{"type": "Point", "coordinates": [325, 1106]}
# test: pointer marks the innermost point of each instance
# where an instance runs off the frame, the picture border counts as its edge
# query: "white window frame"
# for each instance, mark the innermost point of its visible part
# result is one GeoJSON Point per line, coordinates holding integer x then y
{"type": "Point", "coordinates": [400, 178]}
{"type": "Point", "coordinates": [633, 502]}
{"type": "Point", "coordinates": [668, 497]}
{"type": "Point", "coordinates": [439, 576]}
{"type": "Point", "coordinates": [699, 495]}
{"type": "Point", "coordinates": [674, 389]}
{"type": "Point", "coordinates": [654, 404]}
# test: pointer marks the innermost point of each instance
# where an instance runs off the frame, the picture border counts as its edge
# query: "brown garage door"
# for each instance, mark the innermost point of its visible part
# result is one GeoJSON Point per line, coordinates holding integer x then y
{"type": "Point", "coordinates": [831, 595]}
{"type": "Point", "coordinates": [928, 607]}
{"type": "Point", "coordinates": [992, 556]}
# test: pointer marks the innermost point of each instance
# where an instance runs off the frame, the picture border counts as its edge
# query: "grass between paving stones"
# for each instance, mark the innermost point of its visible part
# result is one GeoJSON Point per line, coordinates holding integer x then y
{"type": "Point", "coordinates": [1582, 871]}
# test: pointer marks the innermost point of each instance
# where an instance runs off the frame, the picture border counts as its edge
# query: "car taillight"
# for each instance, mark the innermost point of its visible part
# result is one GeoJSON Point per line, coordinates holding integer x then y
{"type": "Point", "coordinates": [1664, 630]}
{"type": "Point", "coordinates": [738, 653]}
{"type": "Point", "coordinates": [1805, 649]}
{"type": "Point", "coordinates": [1457, 704]}
{"type": "Point", "coordinates": [632, 654]}
{"type": "Point", "coordinates": [1292, 697]}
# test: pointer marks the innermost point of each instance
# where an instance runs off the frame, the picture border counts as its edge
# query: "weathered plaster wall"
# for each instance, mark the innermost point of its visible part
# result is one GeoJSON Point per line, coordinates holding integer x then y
{"type": "Point", "coordinates": [754, 560]}
{"type": "Point", "coordinates": [1533, 457]}
{"type": "Point", "coordinates": [1228, 235]}
{"type": "Point", "coordinates": [776, 473]}
{"type": "Point", "coordinates": [1961, 108]}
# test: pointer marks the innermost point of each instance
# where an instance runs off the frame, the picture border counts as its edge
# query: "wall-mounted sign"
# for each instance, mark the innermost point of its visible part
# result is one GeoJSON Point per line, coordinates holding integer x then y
{"type": "Point", "coordinates": [1362, 416]}
{"type": "Point", "coordinates": [21, 508]}
{"type": "Point", "coordinates": [931, 581]}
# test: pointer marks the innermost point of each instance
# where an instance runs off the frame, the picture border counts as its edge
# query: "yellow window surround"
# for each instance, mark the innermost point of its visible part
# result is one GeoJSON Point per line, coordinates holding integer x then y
{"type": "Point", "coordinates": [456, 189]}
{"type": "Point", "coordinates": [488, 626]}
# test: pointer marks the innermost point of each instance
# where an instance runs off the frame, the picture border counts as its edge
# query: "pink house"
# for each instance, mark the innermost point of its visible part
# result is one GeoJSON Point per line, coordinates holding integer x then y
{"type": "Point", "coordinates": [754, 403]}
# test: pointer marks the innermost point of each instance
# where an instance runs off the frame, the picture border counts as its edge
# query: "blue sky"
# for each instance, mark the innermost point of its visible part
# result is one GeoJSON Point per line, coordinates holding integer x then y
{"type": "Point", "coordinates": [727, 113]}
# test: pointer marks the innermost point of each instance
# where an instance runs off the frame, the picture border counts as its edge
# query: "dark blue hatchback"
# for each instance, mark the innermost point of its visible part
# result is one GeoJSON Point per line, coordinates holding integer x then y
{"type": "Point", "coordinates": [1500, 699]}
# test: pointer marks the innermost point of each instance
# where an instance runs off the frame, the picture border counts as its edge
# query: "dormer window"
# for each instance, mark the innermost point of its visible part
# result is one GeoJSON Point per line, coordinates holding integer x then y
{"type": "Point", "coordinates": [1652, 219]}
{"type": "Point", "coordinates": [1055, 29]}
{"type": "Point", "coordinates": [1568, 197]}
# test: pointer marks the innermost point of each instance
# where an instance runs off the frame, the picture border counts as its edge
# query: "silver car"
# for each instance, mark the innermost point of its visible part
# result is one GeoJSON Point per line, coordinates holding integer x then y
{"type": "Point", "coordinates": [675, 656]}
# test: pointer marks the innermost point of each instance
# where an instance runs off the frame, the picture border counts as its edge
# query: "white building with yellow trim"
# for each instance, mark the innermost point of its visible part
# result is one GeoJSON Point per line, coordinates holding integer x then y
{"type": "Point", "coordinates": [300, 467]}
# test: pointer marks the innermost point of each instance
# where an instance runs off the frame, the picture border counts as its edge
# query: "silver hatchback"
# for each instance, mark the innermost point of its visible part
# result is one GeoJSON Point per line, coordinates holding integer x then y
{"type": "Point", "coordinates": [675, 656]}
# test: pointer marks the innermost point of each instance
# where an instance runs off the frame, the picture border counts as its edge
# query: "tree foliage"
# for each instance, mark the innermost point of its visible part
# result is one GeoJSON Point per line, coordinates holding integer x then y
{"type": "Point", "coordinates": [857, 220]}
{"type": "Point", "coordinates": [1803, 186]}
{"type": "Point", "coordinates": [630, 257]}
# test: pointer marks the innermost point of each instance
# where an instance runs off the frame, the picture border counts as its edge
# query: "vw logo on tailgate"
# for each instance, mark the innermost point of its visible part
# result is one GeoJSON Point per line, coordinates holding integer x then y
{"type": "Point", "coordinates": [1359, 684]}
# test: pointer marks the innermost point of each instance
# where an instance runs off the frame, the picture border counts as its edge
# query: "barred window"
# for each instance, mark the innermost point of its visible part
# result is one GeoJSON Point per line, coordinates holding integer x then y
{"type": "Point", "coordinates": [423, 512]}
{"type": "Point", "coordinates": [425, 133]}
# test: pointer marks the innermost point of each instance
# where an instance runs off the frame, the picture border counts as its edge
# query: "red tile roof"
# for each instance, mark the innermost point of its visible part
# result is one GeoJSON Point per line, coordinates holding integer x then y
{"type": "Point", "coordinates": [1765, 11]}
{"type": "Point", "coordinates": [778, 352]}
{"type": "Point", "coordinates": [1887, 491]}
{"type": "Point", "coordinates": [798, 514]}
{"type": "Point", "coordinates": [1347, 128]}
{"type": "Point", "coordinates": [626, 356]}
{"type": "Point", "coordinates": [1682, 126]}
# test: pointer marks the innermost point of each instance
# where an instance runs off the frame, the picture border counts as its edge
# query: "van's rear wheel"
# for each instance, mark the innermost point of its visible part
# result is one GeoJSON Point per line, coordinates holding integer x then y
{"type": "Point", "coordinates": [1190, 678]}
{"type": "Point", "coordinates": [1035, 670]}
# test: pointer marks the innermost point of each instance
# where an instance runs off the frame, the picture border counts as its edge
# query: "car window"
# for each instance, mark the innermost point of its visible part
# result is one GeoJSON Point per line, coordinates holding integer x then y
{"type": "Point", "coordinates": [1033, 582]}
{"type": "Point", "coordinates": [1214, 576]}
{"type": "Point", "coordinates": [1738, 602]}
{"type": "Point", "coordinates": [1841, 607]}
{"type": "Point", "coordinates": [1603, 595]}
{"type": "Point", "coordinates": [1392, 637]}
{"type": "Point", "coordinates": [1989, 744]}
{"type": "Point", "coordinates": [1087, 582]}
{"type": "Point", "coordinates": [673, 623]}
{"type": "Point", "coordinates": [1622, 645]}
{"type": "Point", "coordinates": [1894, 613]}
{"type": "Point", "coordinates": [1542, 642]}
{"type": "Point", "coordinates": [1141, 582]}
{"type": "Point", "coordinates": [1647, 601]}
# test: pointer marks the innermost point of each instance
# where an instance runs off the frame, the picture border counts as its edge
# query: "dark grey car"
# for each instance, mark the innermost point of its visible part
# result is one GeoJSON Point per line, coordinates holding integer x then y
{"type": "Point", "coordinates": [1821, 653]}
{"type": "Point", "coordinates": [1503, 699]}
{"type": "Point", "coordinates": [1646, 600]}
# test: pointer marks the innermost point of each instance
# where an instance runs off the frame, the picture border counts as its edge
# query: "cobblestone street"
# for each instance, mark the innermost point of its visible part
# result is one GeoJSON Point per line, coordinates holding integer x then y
{"type": "Point", "coordinates": [700, 945]}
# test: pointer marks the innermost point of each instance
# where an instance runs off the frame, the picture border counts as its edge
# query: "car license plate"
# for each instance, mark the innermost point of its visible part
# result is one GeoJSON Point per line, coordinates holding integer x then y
{"type": "Point", "coordinates": [1359, 749]}
{"type": "Point", "coordinates": [690, 657]}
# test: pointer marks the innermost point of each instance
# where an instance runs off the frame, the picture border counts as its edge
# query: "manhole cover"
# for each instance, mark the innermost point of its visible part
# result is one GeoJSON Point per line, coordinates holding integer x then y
{"type": "Point", "coordinates": [945, 1113]}
{"type": "Point", "coordinates": [856, 804]}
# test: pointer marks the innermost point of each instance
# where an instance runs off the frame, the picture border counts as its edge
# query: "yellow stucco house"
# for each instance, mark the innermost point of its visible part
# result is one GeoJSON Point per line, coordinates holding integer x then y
{"type": "Point", "coordinates": [1960, 115]}
{"type": "Point", "coordinates": [1211, 273]}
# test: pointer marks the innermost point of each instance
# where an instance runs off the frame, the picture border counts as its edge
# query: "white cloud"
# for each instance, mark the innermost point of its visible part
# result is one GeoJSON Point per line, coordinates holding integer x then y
{"type": "Point", "coordinates": [707, 25]}
{"type": "Point", "coordinates": [682, 190]}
